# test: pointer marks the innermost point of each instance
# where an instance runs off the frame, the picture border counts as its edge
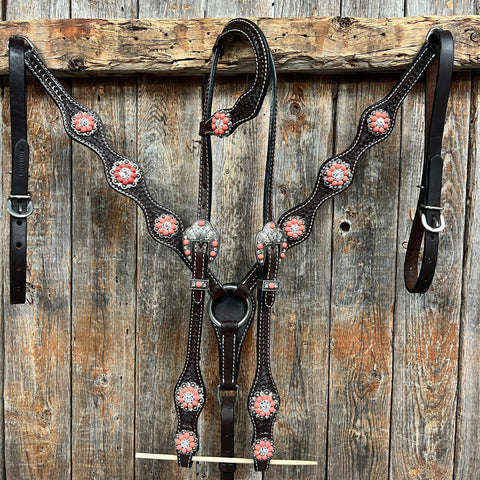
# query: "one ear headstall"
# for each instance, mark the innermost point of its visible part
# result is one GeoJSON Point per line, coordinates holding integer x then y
{"type": "Point", "coordinates": [232, 306]}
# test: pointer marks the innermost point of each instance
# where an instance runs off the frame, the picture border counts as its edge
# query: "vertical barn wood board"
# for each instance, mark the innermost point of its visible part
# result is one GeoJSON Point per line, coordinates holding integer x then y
{"type": "Point", "coordinates": [363, 287]}
{"type": "Point", "coordinates": [467, 451]}
{"type": "Point", "coordinates": [91, 361]}
{"type": "Point", "coordinates": [426, 326]}
{"type": "Point", "coordinates": [301, 318]}
{"type": "Point", "coordinates": [104, 282]}
{"type": "Point", "coordinates": [169, 148]}
{"type": "Point", "coordinates": [37, 337]}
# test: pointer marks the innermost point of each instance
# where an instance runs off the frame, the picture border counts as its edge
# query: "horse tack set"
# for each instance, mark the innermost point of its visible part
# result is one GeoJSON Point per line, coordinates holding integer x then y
{"type": "Point", "coordinates": [232, 306]}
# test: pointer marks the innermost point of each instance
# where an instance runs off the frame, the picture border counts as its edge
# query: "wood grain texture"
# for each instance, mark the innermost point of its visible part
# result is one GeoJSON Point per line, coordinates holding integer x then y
{"type": "Point", "coordinates": [362, 299]}
{"type": "Point", "coordinates": [367, 372]}
{"type": "Point", "coordinates": [468, 429]}
{"type": "Point", "coordinates": [363, 287]}
{"type": "Point", "coordinates": [168, 150]}
{"type": "Point", "coordinates": [104, 283]}
{"type": "Point", "coordinates": [104, 295]}
{"type": "Point", "coordinates": [176, 46]}
{"type": "Point", "coordinates": [37, 335]}
{"type": "Point", "coordinates": [426, 327]}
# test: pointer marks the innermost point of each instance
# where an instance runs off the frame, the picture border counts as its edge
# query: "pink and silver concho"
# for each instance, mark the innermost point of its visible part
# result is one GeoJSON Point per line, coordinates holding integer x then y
{"type": "Point", "coordinates": [337, 175]}
{"type": "Point", "coordinates": [264, 404]}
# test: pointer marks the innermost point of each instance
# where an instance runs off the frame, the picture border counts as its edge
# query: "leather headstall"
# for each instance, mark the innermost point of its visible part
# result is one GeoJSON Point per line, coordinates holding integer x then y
{"type": "Point", "coordinates": [232, 306]}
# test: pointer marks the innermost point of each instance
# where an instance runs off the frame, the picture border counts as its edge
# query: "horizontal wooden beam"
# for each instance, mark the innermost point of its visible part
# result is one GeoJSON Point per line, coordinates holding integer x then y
{"type": "Point", "coordinates": [183, 47]}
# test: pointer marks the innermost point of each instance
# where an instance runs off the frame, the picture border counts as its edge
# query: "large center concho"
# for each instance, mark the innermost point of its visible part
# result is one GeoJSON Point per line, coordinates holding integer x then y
{"type": "Point", "coordinates": [270, 234]}
{"type": "Point", "coordinates": [201, 232]}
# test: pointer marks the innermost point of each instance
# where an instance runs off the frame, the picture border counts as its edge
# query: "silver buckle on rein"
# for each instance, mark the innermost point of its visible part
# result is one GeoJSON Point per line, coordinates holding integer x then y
{"type": "Point", "coordinates": [20, 213]}
{"type": "Point", "coordinates": [440, 225]}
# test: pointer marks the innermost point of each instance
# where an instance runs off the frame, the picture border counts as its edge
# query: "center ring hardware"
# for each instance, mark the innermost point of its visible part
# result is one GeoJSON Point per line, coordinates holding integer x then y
{"type": "Point", "coordinates": [230, 300]}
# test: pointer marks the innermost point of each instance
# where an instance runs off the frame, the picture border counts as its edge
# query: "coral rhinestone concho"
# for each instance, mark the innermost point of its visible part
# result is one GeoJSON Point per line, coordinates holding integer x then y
{"type": "Point", "coordinates": [378, 122]}
{"type": "Point", "coordinates": [221, 123]}
{"type": "Point", "coordinates": [125, 174]}
{"type": "Point", "coordinates": [264, 404]}
{"type": "Point", "coordinates": [263, 449]}
{"type": "Point", "coordinates": [270, 235]}
{"type": "Point", "coordinates": [189, 396]}
{"type": "Point", "coordinates": [186, 442]}
{"type": "Point", "coordinates": [201, 232]}
{"type": "Point", "coordinates": [294, 228]}
{"type": "Point", "coordinates": [166, 225]}
{"type": "Point", "coordinates": [337, 175]}
{"type": "Point", "coordinates": [84, 123]}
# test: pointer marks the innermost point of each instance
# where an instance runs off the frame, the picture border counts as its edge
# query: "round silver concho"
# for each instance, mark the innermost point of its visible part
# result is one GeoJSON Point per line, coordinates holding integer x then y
{"type": "Point", "coordinates": [337, 175]}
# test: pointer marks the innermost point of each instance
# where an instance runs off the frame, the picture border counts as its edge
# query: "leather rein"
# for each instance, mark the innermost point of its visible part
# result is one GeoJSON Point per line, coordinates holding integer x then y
{"type": "Point", "coordinates": [232, 307]}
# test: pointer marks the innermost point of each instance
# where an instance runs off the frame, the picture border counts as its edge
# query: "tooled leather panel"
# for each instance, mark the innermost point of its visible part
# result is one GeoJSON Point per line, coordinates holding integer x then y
{"type": "Point", "coordinates": [158, 217]}
{"type": "Point", "coordinates": [249, 103]}
{"type": "Point", "coordinates": [346, 161]}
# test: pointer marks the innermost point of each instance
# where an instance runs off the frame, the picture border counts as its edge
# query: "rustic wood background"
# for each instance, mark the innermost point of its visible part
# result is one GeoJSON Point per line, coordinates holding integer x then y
{"type": "Point", "coordinates": [376, 383]}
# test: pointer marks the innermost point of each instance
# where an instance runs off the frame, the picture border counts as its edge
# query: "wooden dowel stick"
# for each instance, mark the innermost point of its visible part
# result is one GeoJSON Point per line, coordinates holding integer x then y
{"type": "Point", "coordinates": [198, 458]}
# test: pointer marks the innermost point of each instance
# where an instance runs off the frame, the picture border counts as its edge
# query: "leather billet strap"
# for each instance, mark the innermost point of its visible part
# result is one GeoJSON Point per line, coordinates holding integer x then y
{"type": "Point", "coordinates": [19, 204]}
{"type": "Point", "coordinates": [429, 221]}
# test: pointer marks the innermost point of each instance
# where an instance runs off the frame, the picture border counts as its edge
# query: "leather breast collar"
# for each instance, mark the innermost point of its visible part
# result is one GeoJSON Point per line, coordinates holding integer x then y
{"type": "Point", "coordinates": [232, 307]}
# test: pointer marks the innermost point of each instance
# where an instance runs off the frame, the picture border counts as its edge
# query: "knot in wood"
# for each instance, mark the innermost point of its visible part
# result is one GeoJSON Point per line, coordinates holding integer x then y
{"type": "Point", "coordinates": [295, 108]}
{"type": "Point", "coordinates": [76, 64]}
{"type": "Point", "coordinates": [343, 23]}
{"type": "Point", "coordinates": [475, 36]}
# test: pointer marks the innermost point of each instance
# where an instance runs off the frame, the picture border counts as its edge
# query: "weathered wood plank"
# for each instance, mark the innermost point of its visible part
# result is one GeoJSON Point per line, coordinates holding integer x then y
{"type": "Point", "coordinates": [363, 287]}
{"type": "Point", "coordinates": [467, 452]}
{"type": "Point", "coordinates": [362, 299]}
{"type": "Point", "coordinates": [311, 45]}
{"type": "Point", "coordinates": [426, 326]}
{"type": "Point", "coordinates": [168, 150]}
{"type": "Point", "coordinates": [104, 295]}
{"type": "Point", "coordinates": [37, 335]}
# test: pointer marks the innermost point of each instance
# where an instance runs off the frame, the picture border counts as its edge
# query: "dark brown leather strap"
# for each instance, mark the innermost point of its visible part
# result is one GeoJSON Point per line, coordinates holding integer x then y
{"type": "Point", "coordinates": [19, 203]}
{"type": "Point", "coordinates": [190, 388]}
{"type": "Point", "coordinates": [429, 221]}
{"type": "Point", "coordinates": [263, 400]}
{"type": "Point", "coordinates": [336, 174]}
{"type": "Point", "coordinates": [230, 311]}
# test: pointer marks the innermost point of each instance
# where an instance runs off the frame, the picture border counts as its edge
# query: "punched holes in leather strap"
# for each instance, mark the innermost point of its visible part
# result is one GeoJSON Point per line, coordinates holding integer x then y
{"type": "Point", "coordinates": [19, 204]}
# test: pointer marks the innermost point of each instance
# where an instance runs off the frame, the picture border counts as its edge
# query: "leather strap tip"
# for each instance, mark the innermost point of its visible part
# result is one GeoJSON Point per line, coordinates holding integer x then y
{"type": "Point", "coordinates": [227, 467]}
{"type": "Point", "coordinates": [261, 465]}
{"type": "Point", "coordinates": [185, 460]}
{"type": "Point", "coordinates": [205, 129]}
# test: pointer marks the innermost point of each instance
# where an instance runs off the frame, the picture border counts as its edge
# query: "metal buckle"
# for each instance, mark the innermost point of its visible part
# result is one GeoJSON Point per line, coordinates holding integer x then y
{"type": "Point", "coordinates": [440, 226]}
{"type": "Point", "coordinates": [20, 214]}
{"type": "Point", "coordinates": [221, 394]}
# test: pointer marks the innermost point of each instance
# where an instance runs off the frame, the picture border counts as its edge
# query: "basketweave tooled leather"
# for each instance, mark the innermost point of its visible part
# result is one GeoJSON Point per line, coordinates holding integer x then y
{"type": "Point", "coordinates": [198, 244]}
